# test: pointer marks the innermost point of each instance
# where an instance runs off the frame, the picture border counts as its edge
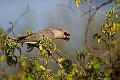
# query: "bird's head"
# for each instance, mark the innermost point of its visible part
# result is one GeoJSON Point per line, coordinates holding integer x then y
{"type": "Point", "coordinates": [60, 33]}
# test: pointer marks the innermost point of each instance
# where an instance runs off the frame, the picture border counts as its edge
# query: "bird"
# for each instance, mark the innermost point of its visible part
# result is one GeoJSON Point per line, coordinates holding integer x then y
{"type": "Point", "coordinates": [49, 33]}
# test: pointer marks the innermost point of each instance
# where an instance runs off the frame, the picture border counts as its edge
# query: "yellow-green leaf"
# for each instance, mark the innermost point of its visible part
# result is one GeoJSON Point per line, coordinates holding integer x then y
{"type": "Point", "coordinates": [116, 15]}
{"type": "Point", "coordinates": [114, 26]}
{"type": "Point", "coordinates": [111, 52]}
{"type": "Point", "coordinates": [98, 40]}
{"type": "Point", "coordinates": [54, 45]}
{"type": "Point", "coordinates": [41, 67]}
{"type": "Point", "coordinates": [96, 65]}
{"type": "Point", "coordinates": [118, 26]}
{"type": "Point", "coordinates": [77, 2]}
{"type": "Point", "coordinates": [60, 59]}
{"type": "Point", "coordinates": [2, 58]}
{"type": "Point", "coordinates": [40, 47]}
{"type": "Point", "coordinates": [30, 42]}
{"type": "Point", "coordinates": [19, 35]}
{"type": "Point", "coordinates": [23, 64]}
{"type": "Point", "coordinates": [69, 77]}
{"type": "Point", "coordinates": [29, 32]}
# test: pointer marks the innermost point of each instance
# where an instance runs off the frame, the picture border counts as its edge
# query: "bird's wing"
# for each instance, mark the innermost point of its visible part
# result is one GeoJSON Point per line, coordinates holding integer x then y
{"type": "Point", "coordinates": [36, 36]}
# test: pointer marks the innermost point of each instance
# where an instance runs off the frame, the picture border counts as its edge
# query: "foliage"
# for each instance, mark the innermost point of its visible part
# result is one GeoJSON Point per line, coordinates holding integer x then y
{"type": "Point", "coordinates": [96, 68]}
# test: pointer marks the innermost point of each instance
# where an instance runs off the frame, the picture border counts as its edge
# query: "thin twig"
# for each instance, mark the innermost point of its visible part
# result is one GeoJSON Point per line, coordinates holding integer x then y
{"type": "Point", "coordinates": [21, 15]}
{"type": "Point", "coordinates": [72, 61]}
{"type": "Point", "coordinates": [68, 6]}
{"type": "Point", "coordinates": [35, 58]}
{"type": "Point", "coordinates": [3, 71]}
{"type": "Point", "coordinates": [90, 18]}
{"type": "Point", "coordinates": [97, 8]}
{"type": "Point", "coordinates": [13, 25]}
{"type": "Point", "coordinates": [56, 60]}
{"type": "Point", "coordinates": [12, 29]}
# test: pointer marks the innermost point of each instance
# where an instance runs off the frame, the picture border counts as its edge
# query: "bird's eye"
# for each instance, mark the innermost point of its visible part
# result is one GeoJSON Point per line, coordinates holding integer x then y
{"type": "Point", "coordinates": [66, 33]}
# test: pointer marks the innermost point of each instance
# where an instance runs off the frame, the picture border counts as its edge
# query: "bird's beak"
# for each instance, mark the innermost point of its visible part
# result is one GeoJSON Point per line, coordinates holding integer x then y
{"type": "Point", "coordinates": [67, 36]}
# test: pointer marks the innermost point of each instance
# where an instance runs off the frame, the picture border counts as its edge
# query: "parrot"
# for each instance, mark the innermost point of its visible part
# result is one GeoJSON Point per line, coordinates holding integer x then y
{"type": "Point", "coordinates": [49, 33]}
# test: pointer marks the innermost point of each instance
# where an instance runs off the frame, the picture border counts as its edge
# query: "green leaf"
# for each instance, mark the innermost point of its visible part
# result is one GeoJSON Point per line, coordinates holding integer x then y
{"type": "Point", "coordinates": [112, 11]}
{"type": "Point", "coordinates": [92, 78]}
{"type": "Point", "coordinates": [118, 26]}
{"type": "Point", "coordinates": [23, 63]}
{"type": "Point", "coordinates": [98, 40]}
{"type": "Point", "coordinates": [116, 15]}
{"type": "Point", "coordinates": [60, 59]}
{"type": "Point", "coordinates": [98, 37]}
{"type": "Point", "coordinates": [80, 73]}
{"type": "Point", "coordinates": [108, 72]}
{"type": "Point", "coordinates": [2, 58]}
{"type": "Point", "coordinates": [111, 52]}
{"type": "Point", "coordinates": [19, 35]}
{"type": "Point", "coordinates": [113, 42]}
{"type": "Point", "coordinates": [118, 4]}
{"type": "Point", "coordinates": [29, 32]}
{"type": "Point", "coordinates": [96, 65]}
{"type": "Point", "coordinates": [69, 77]}
{"type": "Point", "coordinates": [12, 60]}
{"type": "Point", "coordinates": [54, 45]}
{"type": "Point", "coordinates": [30, 42]}
{"type": "Point", "coordinates": [107, 78]}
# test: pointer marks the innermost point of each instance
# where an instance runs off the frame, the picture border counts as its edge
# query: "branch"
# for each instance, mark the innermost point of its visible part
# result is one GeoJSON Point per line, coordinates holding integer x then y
{"type": "Point", "coordinates": [21, 15]}
{"type": "Point", "coordinates": [91, 17]}
{"type": "Point", "coordinates": [68, 6]}
{"type": "Point", "coordinates": [18, 20]}
{"type": "Point", "coordinates": [97, 8]}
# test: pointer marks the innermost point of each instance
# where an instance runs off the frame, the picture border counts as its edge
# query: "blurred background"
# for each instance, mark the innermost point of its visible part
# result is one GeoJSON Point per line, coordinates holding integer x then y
{"type": "Point", "coordinates": [52, 13]}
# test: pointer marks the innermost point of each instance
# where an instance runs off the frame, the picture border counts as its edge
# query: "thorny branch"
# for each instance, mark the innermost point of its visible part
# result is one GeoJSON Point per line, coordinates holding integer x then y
{"type": "Point", "coordinates": [89, 21]}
